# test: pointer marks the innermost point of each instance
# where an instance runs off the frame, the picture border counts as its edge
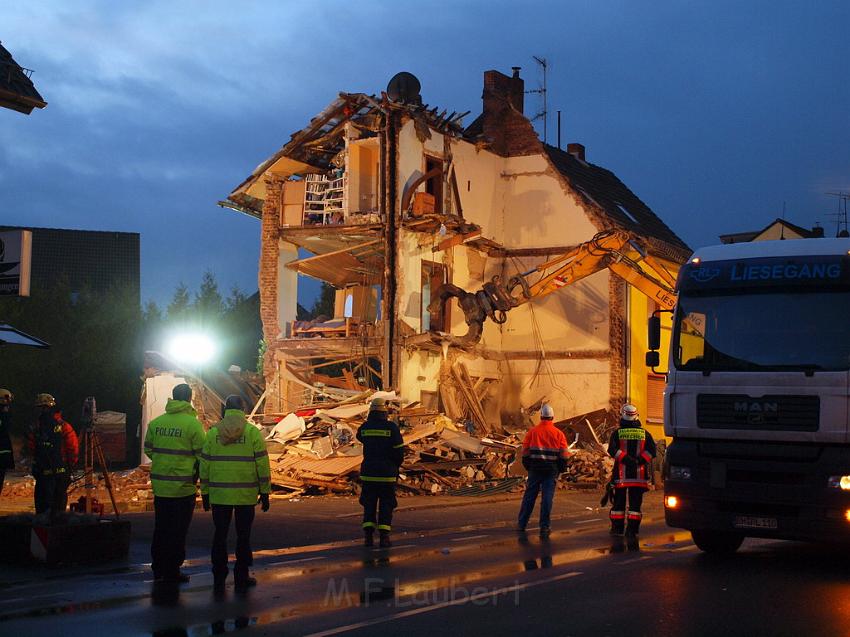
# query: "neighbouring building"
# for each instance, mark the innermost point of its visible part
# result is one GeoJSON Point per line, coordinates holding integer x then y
{"type": "Point", "coordinates": [17, 92]}
{"type": "Point", "coordinates": [776, 230]}
{"type": "Point", "coordinates": [393, 198]}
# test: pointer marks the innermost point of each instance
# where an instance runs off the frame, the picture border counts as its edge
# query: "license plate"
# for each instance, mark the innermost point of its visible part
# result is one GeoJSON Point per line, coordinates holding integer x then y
{"type": "Point", "coordinates": [749, 522]}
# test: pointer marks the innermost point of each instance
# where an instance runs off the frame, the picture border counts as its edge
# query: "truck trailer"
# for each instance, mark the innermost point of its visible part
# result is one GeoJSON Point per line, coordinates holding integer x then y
{"type": "Point", "coordinates": [757, 401]}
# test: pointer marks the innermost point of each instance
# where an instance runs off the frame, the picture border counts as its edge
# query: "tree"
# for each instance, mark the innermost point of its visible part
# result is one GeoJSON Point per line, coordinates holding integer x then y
{"type": "Point", "coordinates": [181, 302]}
{"type": "Point", "coordinates": [324, 305]}
{"type": "Point", "coordinates": [208, 306]}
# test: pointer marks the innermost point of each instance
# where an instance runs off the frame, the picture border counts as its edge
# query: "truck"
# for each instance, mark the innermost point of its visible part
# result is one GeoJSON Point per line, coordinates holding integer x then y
{"type": "Point", "coordinates": [757, 398]}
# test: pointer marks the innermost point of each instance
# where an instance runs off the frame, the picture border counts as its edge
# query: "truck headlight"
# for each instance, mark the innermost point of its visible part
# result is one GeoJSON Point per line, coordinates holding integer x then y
{"type": "Point", "coordinates": [680, 473]}
{"type": "Point", "coordinates": [839, 482]}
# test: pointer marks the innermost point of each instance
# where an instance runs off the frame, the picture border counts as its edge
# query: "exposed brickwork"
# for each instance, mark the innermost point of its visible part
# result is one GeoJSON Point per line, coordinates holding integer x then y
{"type": "Point", "coordinates": [267, 281]}
{"type": "Point", "coordinates": [617, 334]}
{"type": "Point", "coordinates": [508, 131]}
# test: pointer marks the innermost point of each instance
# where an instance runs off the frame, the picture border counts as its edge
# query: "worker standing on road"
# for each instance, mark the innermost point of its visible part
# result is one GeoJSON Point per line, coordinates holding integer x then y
{"type": "Point", "coordinates": [633, 449]}
{"type": "Point", "coordinates": [173, 442]}
{"type": "Point", "coordinates": [53, 447]}
{"type": "Point", "coordinates": [7, 460]}
{"type": "Point", "coordinates": [383, 453]}
{"type": "Point", "coordinates": [544, 455]}
{"type": "Point", "coordinates": [234, 474]}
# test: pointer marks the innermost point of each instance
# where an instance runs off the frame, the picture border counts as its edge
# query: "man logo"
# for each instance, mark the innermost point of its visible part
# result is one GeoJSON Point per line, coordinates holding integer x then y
{"type": "Point", "coordinates": [704, 274]}
{"type": "Point", "coordinates": [756, 412]}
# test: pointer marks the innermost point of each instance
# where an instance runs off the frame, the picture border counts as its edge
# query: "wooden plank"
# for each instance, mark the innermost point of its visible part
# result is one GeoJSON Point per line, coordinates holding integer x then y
{"type": "Point", "coordinates": [464, 385]}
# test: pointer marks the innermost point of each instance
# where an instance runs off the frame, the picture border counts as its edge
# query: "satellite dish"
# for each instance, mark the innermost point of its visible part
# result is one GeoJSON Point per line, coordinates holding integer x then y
{"type": "Point", "coordinates": [404, 87]}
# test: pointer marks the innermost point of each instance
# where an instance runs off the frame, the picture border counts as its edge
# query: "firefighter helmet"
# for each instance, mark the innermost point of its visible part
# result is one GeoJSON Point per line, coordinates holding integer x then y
{"type": "Point", "coordinates": [547, 413]}
{"type": "Point", "coordinates": [6, 397]}
{"type": "Point", "coordinates": [45, 400]}
{"type": "Point", "coordinates": [378, 404]}
{"type": "Point", "coordinates": [629, 412]}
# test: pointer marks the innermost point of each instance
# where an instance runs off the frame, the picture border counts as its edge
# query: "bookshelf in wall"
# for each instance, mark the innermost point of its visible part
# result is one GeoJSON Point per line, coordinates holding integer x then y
{"type": "Point", "coordinates": [324, 198]}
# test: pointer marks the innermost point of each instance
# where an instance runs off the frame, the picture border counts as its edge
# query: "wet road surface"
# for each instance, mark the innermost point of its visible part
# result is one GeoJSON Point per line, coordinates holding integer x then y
{"type": "Point", "coordinates": [478, 579]}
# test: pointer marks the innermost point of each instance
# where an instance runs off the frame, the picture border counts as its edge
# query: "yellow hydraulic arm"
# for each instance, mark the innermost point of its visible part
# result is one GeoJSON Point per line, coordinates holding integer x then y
{"type": "Point", "coordinates": [619, 251]}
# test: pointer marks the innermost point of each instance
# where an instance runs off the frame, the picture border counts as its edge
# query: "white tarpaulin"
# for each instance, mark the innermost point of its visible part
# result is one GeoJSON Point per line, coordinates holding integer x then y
{"type": "Point", "coordinates": [287, 429]}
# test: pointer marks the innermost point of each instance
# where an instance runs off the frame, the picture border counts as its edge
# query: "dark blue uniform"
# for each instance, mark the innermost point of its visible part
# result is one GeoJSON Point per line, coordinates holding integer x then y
{"type": "Point", "coordinates": [383, 453]}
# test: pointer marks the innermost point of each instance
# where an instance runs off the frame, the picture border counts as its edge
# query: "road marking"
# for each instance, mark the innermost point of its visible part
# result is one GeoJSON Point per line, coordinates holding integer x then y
{"type": "Point", "coordinates": [636, 559]}
{"type": "Point", "coordinates": [588, 521]}
{"type": "Point", "coordinates": [399, 546]}
{"type": "Point", "coordinates": [454, 602]}
{"type": "Point", "coordinates": [303, 559]}
{"type": "Point", "coordinates": [468, 537]}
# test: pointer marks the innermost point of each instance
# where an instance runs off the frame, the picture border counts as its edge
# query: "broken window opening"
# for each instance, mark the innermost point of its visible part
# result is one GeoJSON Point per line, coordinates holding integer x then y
{"type": "Point", "coordinates": [434, 185]}
{"type": "Point", "coordinates": [433, 276]}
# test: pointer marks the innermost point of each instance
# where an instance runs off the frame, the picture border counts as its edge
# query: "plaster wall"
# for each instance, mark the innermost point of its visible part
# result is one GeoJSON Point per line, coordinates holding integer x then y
{"type": "Point", "coordinates": [287, 288]}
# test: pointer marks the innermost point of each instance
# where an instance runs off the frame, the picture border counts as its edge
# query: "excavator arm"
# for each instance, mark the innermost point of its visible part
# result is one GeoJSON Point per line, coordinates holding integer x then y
{"type": "Point", "coordinates": [619, 251]}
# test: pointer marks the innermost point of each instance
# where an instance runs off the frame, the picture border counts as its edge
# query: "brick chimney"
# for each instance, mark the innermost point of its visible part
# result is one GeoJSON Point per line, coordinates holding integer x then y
{"type": "Point", "coordinates": [576, 150]}
{"type": "Point", "coordinates": [506, 128]}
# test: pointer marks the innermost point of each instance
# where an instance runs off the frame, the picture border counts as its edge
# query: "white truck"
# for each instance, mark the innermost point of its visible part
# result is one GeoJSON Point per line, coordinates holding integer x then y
{"type": "Point", "coordinates": [757, 401]}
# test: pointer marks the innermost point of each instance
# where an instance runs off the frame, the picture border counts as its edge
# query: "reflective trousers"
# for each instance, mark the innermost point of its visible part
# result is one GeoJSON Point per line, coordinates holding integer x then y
{"type": "Point", "coordinates": [221, 515]}
{"type": "Point", "coordinates": [172, 517]}
{"type": "Point", "coordinates": [619, 514]}
{"type": "Point", "coordinates": [379, 502]}
{"type": "Point", "coordinates": [543, 482]}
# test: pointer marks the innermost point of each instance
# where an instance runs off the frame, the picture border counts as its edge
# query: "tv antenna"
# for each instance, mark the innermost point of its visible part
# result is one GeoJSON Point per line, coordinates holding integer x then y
{"type": "Point", "coordinates": [544, 66]}
{"type": "Point", "coordinates": [840, 217]}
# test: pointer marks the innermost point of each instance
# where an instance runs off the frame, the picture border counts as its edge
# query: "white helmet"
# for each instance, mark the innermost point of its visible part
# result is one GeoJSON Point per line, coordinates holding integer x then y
{"type": "Point", "coordinates": [547, 413]}
{"type": "Point", "coordinates": [629, 412]}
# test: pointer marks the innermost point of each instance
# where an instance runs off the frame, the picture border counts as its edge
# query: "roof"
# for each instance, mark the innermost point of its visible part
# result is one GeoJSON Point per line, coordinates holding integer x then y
{"type": "Point", "coordinates": [739, 237]}
{"type": "Point", "coordinates": [602, 189]}
{"type": "Point", "coordinates": [313, 148]}
{"type": "Point", "coordinates": [17, 92]}
{"type": "Point", "coordinates": [789, 248]}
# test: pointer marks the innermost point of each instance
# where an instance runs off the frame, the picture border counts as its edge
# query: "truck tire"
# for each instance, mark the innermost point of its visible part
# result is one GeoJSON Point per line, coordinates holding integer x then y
{"type": "Point", "coordinates": [717, 542]}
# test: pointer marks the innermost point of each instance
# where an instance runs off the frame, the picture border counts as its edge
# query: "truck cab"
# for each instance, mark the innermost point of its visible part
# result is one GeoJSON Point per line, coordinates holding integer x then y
{"type": "Point", "coordinates": [757, 401]}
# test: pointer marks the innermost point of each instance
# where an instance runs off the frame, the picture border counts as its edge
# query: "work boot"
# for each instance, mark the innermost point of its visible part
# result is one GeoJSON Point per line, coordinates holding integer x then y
{"type": "Point", "coordinates": [545, 531]}
{"type": "Point", "coordinates": [243, 585]}
{"type": "Point", "coordinates": [633, 528]}
{"type": "Point", "coordinates": [384, 542]}
{"type": "Point", "coordinates": [369, 537]}
{"type": "Point", "coordinates": [219, 584]}
{"type": "Point", "coordinates": [616, 527]}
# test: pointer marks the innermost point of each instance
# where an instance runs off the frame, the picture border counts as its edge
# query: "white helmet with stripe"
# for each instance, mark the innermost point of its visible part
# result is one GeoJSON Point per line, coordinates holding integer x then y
{"type": "Point", "coordinates": [629, 412]}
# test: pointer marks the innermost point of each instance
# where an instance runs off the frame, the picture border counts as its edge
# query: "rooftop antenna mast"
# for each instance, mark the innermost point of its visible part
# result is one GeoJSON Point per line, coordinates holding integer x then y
{"type": "Point", "coordinates": [544, 65]}
{"type": "Point", "coordinates": [840, 217]}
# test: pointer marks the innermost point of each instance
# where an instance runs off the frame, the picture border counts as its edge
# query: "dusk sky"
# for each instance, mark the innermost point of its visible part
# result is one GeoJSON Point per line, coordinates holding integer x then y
{"type": "Point", "coordinates": [714, 113]}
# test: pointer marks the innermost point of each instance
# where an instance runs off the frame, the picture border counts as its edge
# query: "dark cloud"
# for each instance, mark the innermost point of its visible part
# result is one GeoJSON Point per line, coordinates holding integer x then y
{"type": "Point", "coordinates": [714, 113]}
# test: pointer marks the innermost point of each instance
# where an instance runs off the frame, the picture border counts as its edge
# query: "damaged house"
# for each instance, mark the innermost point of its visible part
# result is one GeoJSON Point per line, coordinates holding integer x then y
{"type": "Point", "coordinates": [396, 203]}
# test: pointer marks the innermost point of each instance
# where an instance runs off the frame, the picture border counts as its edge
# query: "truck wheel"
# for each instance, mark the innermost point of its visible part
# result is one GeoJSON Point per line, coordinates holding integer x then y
{"type": "Point", "coordinates": [717, 542]}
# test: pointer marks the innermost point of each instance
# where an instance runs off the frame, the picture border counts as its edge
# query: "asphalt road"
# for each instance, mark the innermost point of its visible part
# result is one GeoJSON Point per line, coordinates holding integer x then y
{"type": "Point", "coordinates": [455, 570]}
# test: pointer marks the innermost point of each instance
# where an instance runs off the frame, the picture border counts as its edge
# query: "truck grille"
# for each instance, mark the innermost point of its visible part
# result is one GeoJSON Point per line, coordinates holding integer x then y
{"type": "Point", "coordinates": [739, 411]}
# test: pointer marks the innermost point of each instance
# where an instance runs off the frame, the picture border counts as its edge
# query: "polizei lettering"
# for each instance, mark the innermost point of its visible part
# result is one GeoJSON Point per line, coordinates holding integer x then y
{"type": "Point", "coordinates": [785, 271]}
{"type": "Point", "coordinates": [170, 432]}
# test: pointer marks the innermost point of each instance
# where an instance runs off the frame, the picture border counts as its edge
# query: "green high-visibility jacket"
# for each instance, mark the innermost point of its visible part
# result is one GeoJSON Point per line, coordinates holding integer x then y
{"type": "Point", "coordinates": [174, 442]}
{"type": "Point", "coordinates": [234, 462]}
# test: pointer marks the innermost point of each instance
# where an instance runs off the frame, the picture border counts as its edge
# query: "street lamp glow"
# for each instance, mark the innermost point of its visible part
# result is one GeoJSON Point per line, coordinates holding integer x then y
{"type": "Point", "coordinates": [191, 348]}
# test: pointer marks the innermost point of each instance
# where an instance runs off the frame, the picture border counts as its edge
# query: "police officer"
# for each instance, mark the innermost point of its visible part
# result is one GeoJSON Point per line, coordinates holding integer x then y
{"type": "Point", "coordinates": [544, 455]}
{"type": "Point", "coordinates": [53, 447]}
{"type": "Point", "coordinates": [7, 461]}
{"type": "Point", "coordinates": [173, 442]}
{"type": "Point", "coordinates": [633, 449]}
{"type": "Point", "coordinates": [234, 473]}
{"type": "Point", "coordinates": [383, 453]}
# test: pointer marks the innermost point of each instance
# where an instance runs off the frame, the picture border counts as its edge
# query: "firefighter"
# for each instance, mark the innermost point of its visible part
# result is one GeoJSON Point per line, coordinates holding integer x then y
{"type": "Point", "coordinates": [173, 442]}
{"type": "Point", "coordinates": [383, 453]}
{"type": "Point", "coordinates": [633, 449]}
{"type": "Point", "coordinates": [235, 477]}
{"type": "Point", "coordinates": [7, 460]}
{"type": "Point", "coordinates": [53, 448]}
{"type": "Point", "coordinates": [544, 455]}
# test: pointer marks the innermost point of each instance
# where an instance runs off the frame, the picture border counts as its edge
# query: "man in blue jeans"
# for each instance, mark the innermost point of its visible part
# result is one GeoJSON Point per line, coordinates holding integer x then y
{"type": "Point", "coordinates": [544, 455]}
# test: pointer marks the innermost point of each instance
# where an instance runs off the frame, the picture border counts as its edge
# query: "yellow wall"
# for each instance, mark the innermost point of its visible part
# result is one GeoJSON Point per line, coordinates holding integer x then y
{"type": "Point", "coordinates": [638, 371]}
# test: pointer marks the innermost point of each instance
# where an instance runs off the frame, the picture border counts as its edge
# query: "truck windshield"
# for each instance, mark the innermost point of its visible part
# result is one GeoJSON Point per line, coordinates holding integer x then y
{"type": "Point", "coordinates": [763, 330]}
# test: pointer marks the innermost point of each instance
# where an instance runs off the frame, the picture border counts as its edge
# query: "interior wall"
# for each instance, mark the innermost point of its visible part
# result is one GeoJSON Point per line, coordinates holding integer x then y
{"type": "Point", "coordinates": [287, 288]}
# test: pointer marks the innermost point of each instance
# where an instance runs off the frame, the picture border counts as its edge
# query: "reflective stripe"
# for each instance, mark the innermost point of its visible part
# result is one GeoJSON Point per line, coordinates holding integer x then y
{"type": "Point", "coordinates": [172, 452]}
{"type": "Point", "coordinates": [384, 527]}
{"type": "Point", "coordinates": [233, 485]}
{"type": "Point", "coordinates": [380, 433]}
{"type": "Point", "coordinates": [377, 479]}
{"type": "Point", "coordinates": [213, 458]}
{"type": "Point", "coordinates": [635, 515]}
{"type": "Point", "coordinates": [5, 451]}
{"type": "Point", "coordinates": [617, 515]}
{"type": "Point", "coordinates": [368, 525]}
{"type": "Point", "coordinates": [261, 454]}
{"type": "Point", "coordinates": [398, 446]}
{"type": "Point", "coordinates": [157, 476]}
{"type": "Point", "coordinates": [631, 433]}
